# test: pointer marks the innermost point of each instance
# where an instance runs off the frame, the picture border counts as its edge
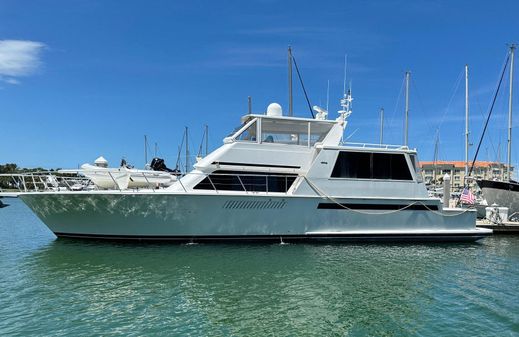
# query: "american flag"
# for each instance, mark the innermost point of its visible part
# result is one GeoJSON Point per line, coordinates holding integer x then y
{"type": "Point", "coordinates": [467, 197]}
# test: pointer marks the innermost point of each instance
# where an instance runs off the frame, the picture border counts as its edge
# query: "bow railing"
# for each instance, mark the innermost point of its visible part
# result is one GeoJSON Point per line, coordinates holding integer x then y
{"type": "Point", "coordinates": [73, 180]}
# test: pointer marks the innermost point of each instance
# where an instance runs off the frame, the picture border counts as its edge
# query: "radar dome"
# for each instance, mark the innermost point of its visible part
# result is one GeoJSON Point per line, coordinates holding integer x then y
{"type": "Point", "coordinates": [275, 110]}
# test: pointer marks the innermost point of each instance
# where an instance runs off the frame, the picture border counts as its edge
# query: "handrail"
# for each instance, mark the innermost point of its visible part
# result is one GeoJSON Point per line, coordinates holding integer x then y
{"type": "Point", "coordinates": [113, 179]}
{"type": "Point", "coordinates": [147, 182]}
{"type": "Point", "coordinates": [42, 181]}
{"type": "Point", "coordinates": [55, 181]}
{"type": "Point", "coordinates": [379, 146]}
{"type": "Point", "coordinates": [241, 182]}
{"type": "Point", "coordinates": [180, 181]}
{"type": "Point", "coordinates": [212, 184]}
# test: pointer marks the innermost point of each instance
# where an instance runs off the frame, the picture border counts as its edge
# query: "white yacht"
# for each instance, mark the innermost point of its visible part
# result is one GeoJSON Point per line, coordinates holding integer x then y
{"type": "Point", "coordinates": [274, 178]}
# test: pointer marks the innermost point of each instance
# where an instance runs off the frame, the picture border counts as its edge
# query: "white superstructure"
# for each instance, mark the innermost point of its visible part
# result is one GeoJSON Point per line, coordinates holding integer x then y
{"type": "Point", "coordinates": [274, 178]}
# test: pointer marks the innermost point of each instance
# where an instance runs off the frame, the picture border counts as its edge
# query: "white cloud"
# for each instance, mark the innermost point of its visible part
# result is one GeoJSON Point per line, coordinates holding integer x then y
{"type": "Point", "coordinates": [9, 80]}
{"type": "Point", "coordinates": [18, 58]}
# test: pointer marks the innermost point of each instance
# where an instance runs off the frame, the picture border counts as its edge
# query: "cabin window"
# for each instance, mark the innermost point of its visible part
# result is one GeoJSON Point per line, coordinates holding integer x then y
{"type": "Point", "coordinates": [417, 168]}
{"type": "Point", "coordinates": [318, 132]}
{"type": "Point", "coordinates": [366, 165]}
{"type": "Point", "coordinates": [249, 134]}
{"type": "Point", "coordinates": [223, 180]}
{"type": "Point", "coordinates": [284, 132]}
{"type": "Point", "coordinates": [353, 165]}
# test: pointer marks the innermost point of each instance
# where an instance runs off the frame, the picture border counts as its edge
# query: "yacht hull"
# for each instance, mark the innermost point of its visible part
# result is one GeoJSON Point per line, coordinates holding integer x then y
{"type": "Point", "coordinates": [203, 217]}
{"type": "Point", "coordinates": [504, 194]}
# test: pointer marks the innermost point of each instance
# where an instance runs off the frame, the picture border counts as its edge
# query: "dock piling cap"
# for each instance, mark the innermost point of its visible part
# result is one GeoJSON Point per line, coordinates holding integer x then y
{"type": "Point", "coordinates": [101, 162]}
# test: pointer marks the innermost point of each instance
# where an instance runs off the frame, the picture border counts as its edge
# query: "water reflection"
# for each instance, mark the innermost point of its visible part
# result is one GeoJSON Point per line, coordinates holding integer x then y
{"type": "Point", "coordinates": [242, 289]}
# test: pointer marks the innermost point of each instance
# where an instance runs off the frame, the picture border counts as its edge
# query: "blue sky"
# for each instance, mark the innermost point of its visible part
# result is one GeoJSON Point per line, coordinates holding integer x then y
{"type": "Point", "coordinates": [79, 79]}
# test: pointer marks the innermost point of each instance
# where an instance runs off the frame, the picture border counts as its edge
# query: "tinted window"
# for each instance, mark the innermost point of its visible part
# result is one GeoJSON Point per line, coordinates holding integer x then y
{"type": "Point", "coordinates": [382, 165]}
{"type": "Point", "coordinates": [246, 181]}
{"type": "Point", "coordinates": [365, 165]}
{"type": "Point", "coordinates": [352, 165]}
{"type": "Point", "coordinates": [399, 168]}
{"type": "Point", "coordinates": [417, 168]}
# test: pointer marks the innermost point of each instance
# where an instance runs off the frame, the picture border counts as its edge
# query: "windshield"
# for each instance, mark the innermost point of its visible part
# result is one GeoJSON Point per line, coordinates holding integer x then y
{"type": "Point", "coordinates": [293, 132]}
{"type": "Point", "coordinates": [282, 131]}
{"type": "Point", "coordinates": [249, 134]}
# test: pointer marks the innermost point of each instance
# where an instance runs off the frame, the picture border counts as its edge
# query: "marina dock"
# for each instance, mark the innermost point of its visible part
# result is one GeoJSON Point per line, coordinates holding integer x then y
{"type": "Point", "coordinates": [507, 227]}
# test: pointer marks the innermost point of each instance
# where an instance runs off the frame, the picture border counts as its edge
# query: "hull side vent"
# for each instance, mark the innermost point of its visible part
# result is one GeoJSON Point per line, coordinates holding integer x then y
{"type": "Point", "coordinates": [254, 204]}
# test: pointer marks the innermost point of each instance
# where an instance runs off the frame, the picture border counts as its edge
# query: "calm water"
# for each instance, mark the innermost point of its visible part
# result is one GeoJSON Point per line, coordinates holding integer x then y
{"type": "Point", "coordinates": [62, 287]}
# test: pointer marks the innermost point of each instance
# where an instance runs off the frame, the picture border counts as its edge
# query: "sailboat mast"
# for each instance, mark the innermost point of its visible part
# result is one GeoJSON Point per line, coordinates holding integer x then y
{"type": "Point", "coordinates": [187, 150]}
{"type": "Point", "coordinates": [381, 125]}
{"type": "Point", "coordinates": [206, 139]}
{"type": "Point", "coordinates": [406, 133]}
{"type": "Point", "coordinates": [290, 98]}
{"type": "Point", "coordinates": [145, 150]}
{"type": "Point", "coordinates": [435, 159]}
{"type": "Point", "coordinates": [466, 120]}
{"type": "Point", "coordinates": [509, 154]}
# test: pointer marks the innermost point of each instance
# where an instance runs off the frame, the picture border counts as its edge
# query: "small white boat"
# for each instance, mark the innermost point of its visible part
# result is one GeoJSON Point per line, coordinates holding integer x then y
{"type": "Point", "coordinates": [123, 177]}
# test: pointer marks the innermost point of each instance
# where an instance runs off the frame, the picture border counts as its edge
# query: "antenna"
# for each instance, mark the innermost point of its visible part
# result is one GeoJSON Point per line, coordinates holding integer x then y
{"type": "Point", "coordinates": [346, 101]}
{"type": "Point", "coordinates": [322, 114]}
{"type": "Point", "coordinates": [381, 126]}
{"type": "Point", "coordinates": [290, 98]}
{"type": "Point", "coordinates": [406, 131]}
{"type": "Point", "coordinates": [345, 69]}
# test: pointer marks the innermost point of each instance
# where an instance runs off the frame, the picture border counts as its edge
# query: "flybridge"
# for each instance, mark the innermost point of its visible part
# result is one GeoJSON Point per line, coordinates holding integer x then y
{"type": "Point", "coordinates": [265, 129]}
